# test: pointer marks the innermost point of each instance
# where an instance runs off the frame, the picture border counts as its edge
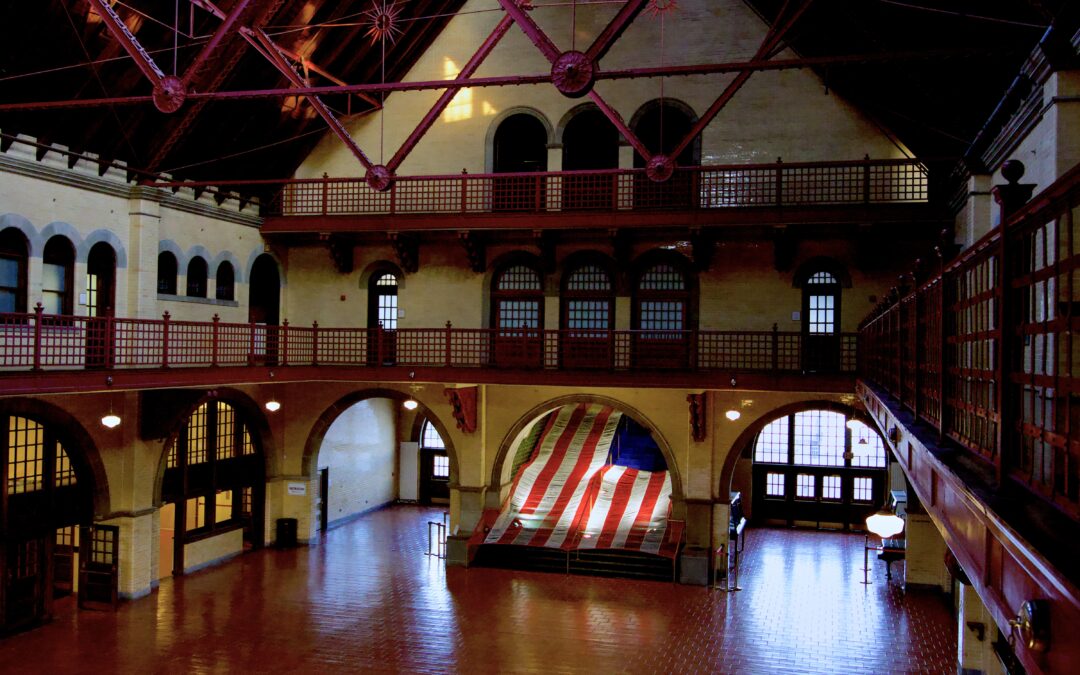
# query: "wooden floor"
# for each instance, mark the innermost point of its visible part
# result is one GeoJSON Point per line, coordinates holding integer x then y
{"type": "Point", "coordinates": [368, 599]}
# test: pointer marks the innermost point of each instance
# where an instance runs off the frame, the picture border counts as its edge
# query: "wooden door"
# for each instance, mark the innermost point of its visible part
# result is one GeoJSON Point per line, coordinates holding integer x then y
{"type": "Point", "coordinates": [324, 497]}
{"type": "Point", "coordinates": [63, 557]}
{"type": "Point", "coordinates": [100, 306]}
{"type": "Point", "coordinates": [434, 476]}
{"type": "Point", "coordinates": [99, 565]}
{"type": "Point", "coordinates": [25, 576]}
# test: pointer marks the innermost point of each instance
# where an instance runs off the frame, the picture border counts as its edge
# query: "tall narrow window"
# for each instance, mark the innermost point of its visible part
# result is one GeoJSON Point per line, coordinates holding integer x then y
{"type": "Point", "coordinates": [384, 301]}
{"type": "Point", "coordinates": [14, 252]}
{"type": "Point", "coordinates": [166, 273]}
{"type": "Point", "coordinates": [588, 300]}
{"type": "Point", "coordinates": [57, 276]}
{"type": "Point", "coordinates": [821, 322]}
{"type": "Point", "coordinates": [662, 299]}
{"type": "Point", "coordinates": [196, 278]}
{"type": "Point", "coordinates": [225, 279]}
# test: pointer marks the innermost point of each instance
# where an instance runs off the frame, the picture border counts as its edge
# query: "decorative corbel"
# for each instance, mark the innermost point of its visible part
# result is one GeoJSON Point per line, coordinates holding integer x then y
{"type": "Point", "coordinates": [703, 245]}
{"type": "Point", "coordinates": [545, 241]}
{"type": "Point", "coordinates": [784, 246]}
{"type": "Point", "coordinates": [463, 407]}
{"type": "Point", "coordinates": [407, 248]}
{"type": "Point", "coordinates": [697, 403]}
{"type": "Point", "coordinates": [475, 249]}
{"type": "Point", "coordinates": [341, 252]}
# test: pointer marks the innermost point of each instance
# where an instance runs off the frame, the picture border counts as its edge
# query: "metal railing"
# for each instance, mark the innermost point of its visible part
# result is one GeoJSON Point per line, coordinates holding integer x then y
{"type": "Point", "coordinates": [38, 341]}
{"type": "Point", "coordinates": [984, 352]}
{"type": "Point", "coordinates": [888, 181]}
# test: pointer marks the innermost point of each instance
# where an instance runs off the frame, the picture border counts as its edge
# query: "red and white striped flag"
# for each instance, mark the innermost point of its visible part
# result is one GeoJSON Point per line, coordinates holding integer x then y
{"type": "Point", "coordinates": [630, 510]}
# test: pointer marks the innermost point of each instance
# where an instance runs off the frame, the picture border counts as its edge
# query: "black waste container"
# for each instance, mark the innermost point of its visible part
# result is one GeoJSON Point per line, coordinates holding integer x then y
{"type": "Point", "coordinates": [286, 532]}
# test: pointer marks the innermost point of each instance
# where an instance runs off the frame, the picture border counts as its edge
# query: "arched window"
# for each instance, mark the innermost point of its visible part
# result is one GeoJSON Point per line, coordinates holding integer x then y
{"type": "Point", "coordinates": [821, 322]}
{"type": "Point", "coordinates": [517, 300]}
{"type": "Point", "coordinates": [225, 281]}
{"type": "Point", "coordinates": [520, 146]}
{"type": "Point", "coordinates": [14, 252]}
{"type": "Point", "coordinates": [811, 464]}
{"type": "Point", "coordinates": [590, 141]}
{"type": "Point", "coordinates": [661, 127]}
{"type": "Point", "coordinates": [167, 270]}
{"type": "Point", "coordinates": [432, 441]}
{"type": "Point", "coordinates": [383, 301]}
{"type": "Point", "coordinates": [588, 299]}
{"type": "Point", "coordinates": [214, 475]}
{"type": "Point", "coordinates": [58, 276]}
{"type": "Point", "coordinates": [517, 306]}
{"type": "Point", "coordinates": [196, 278]}
{"type": "Point", "coordinates": [661, 315]}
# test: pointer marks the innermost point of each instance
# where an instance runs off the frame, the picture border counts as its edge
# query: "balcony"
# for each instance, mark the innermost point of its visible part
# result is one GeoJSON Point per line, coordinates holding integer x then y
{"type": "Point", "coordinates": [42, 353]}
{"type": "Point", "coordinates": [779, 193]}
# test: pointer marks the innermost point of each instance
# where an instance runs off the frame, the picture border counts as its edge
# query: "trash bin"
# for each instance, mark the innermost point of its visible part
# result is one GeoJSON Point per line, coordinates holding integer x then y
{"type": "Point", "coordinates": [286, 532]}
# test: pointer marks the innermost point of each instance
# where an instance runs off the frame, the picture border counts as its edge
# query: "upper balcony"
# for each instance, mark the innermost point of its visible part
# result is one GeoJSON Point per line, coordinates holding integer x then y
{"type": "Point", "coordinates": [42, 353]}
{"type": "Point", "coordinates": [862, 191]}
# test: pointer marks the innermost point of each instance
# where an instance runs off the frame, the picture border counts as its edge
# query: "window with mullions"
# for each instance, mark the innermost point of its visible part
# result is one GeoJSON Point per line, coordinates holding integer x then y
{"type": "Point", "coordinates": [518, 300]}
{"type": "Point", "coordinates": [226, 431]}
{"type": "Point", "coordinates": [830, 488]}
{"type": "Point", "coordinates": [587, 299]}
{"type": "Point", "coordinates": [26, 452]}
{"type": "Point", "coordinates": [805, 486]}
{"type": "Point", "coordinates": [822, 292]}
{"type": "Point", "coordinates": [662, 299]}
{"type": "Point", "coordinates": [819, 438]}
{"type": "Point", "coordinates": [384, 301]}
{"type": "Point", "coordinates": [14, 252]}
{"type": "Point", "coordinates": [774, 485]}
{"type": "Point", "coordinates": [196, 436]}
{"type": "Point", "coordinates": [430, 438]}
{"type": "Point", "coordinates": [863, 490]}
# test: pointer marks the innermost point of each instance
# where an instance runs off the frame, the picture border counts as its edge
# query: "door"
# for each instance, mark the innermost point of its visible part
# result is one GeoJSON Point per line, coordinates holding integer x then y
{"type": "Point", "coordinates": [382, 319]}
{"type": "Point", "coordinates": [821, 324]}
{"type": "Point", "coordinates": [99, 565]}
{"type": "Point", "coordinates": [590, 142]}
{"type": "Point", "coordinates": [520, 146]}
{"type": "Point", "coordinates": [25, 583]}
{"type": "Point", "coordinates": [264, 301]}
{"type": "Point", "coordinates": [64, 551]}
{"type": "Point", "coordinates": [434, 476]}
{"type": "Point", "coordinates": [324, 497]}
{"type": "Point", "coordinates": [100, 304]}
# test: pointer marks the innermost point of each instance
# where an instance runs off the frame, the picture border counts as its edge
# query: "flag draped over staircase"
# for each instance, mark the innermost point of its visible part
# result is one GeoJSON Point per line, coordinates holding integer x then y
{"type": "Point", "coordinates": [567, 496]}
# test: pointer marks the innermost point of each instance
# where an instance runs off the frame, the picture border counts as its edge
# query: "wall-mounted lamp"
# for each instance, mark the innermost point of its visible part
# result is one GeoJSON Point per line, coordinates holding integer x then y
{"type": "Point", "coordinates": [1032, 624]}
{"type": "Point", "coordinates": [733, 415]}
{"type": "Point", "coordinates": [272, 405]}
{"type": "Point", "coordinates": [410, 404]}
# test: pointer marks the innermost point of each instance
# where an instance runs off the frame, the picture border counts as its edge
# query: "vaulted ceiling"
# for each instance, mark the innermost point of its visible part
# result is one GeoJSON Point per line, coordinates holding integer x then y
{"type": "Point", "coordinates": [61, 50]}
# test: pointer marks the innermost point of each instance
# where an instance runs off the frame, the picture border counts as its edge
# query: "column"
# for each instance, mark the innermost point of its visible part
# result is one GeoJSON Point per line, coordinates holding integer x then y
{"type": "Point", "coordinates": [977, 630]}
{"type": "Point", "coordinates": [925, 554]}
{"type": "Point", "coordinates": [142, 253]}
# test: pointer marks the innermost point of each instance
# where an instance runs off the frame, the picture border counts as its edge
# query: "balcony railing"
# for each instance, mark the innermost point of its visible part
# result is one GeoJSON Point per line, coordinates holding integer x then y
{"type": "Point", "coordinates": [984, 351]}
{"type": "Point", "coordinates": [39, 341]}
{"type": "Point", "coordinates": [890, 181]}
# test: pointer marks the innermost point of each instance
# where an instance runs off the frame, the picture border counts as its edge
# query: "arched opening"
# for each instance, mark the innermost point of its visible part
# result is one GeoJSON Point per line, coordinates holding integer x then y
{"type": "Point", "coordinates": [661, 127]}
{"type": "Point", "coordinates": [590, 142]}
{"type": "Point", "coordinates": [14, 252]}
{"type": "Point", "coordinates": [588, 478]}
{"type": "Point", "coordinates": [58, 276]}
{"type": "Point", "coordinates": [434, 466]}
{"type": "Point", "coordinates": [517, 316]}
{"type": "Point", "coordinates": [48, 493]}
{"type": "Point", "coordinates": [821, 323]}
{"type": "Point", "coordinates": [362, 458]}
{"type": "Point", "coordinates": [167, 270]}
{"type": "Point", "coordinates": [212, 490]}
{"type": "Point", "coordinates": [225, 281]}
{"type": "Point", "coordinates": [662, 314]}
{"type": "Point", "coordinates": [100, 305]}
{"type": "Point", "coordinates": [520, 146]}
{"type": "Point", "coordinates": [196, 277]}
{"type": "Point", "coordinates": [817, 466]}
{"type": "Point", "coordinates": [264, 301]}
{"type": "Point", "coordinates": [588, 316]}
{"type": "Point", "coordinates": [383, 317]}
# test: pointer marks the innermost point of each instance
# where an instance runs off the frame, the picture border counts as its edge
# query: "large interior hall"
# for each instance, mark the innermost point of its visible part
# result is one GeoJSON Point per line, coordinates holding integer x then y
{"type": "Point", "coordinates": [641, 336]}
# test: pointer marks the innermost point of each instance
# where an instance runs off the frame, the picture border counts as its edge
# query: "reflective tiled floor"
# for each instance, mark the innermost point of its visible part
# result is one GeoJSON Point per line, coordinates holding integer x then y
{"type": "Point", "coordinates": [370, 600]}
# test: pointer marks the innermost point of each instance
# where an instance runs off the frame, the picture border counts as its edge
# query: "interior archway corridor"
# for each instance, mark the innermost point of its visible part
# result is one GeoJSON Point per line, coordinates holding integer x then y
{"type": "Point", "coordinates": [367, 599]}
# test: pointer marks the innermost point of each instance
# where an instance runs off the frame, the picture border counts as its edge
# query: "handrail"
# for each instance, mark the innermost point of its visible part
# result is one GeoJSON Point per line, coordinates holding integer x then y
{"type": "Point", "coordinates": [777, 184]}
{"type": "Point", "coordinates": [42, 342]}
{"type": "Point", "coordinates": [983, 351]}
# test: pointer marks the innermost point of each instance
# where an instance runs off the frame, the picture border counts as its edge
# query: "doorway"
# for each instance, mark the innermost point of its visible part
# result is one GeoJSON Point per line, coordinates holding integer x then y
{"type": "Point", "coordinates": [590, 142]}
{"type": "Point", "coordinates": [324, 498]}
{"type": "Point", "coordinates": [100, 304]}
{"type": "Point", "coordinates": [264, 305]}
{"type": "Point", "coordinates": [520, 146]}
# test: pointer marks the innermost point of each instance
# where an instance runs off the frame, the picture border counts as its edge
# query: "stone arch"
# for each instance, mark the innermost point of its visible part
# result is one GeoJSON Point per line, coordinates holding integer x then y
{"type": "Point", "coordinates": [570, 114]}
{"type": "Point", "coordinates": [742, 443]}
{"type": "Point", "coordinates": [66, 230]}
{"type": "Point", "coordinates": [489, 139]}
{"type": "Point", "coordinates": [82, 451]}
{"type": "Point", "coordinates": [681, 106]}
{"type": "Point", "coordinates": [34, 241]}
{"type": "Point", "coordinates": [229, 257]}
{"type": "Point", "coordinates": [255, 255]}
{"type": "Point", "coordinates": [318, 431]}
{"type": "Point", "coordinates": [656, 256]}
{"type": "Point", "coordinates": [584, 257]}
{"type": "Point", "coordinates": [172, 417]}
{"type": "Point", "coordinates": [549, 282]}
{"type": "Point", "coordinates": [501, 468]}
{"type": "Point", "coordinates": [378, 267]}
{"type": "Point", "coordinates": [106, 237]}
{"type": "Point", "coordinates": [174, 248]}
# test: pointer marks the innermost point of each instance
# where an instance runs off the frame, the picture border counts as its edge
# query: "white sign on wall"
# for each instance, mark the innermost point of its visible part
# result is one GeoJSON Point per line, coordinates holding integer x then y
{"type": "Point", "coordinates": [298, 489]}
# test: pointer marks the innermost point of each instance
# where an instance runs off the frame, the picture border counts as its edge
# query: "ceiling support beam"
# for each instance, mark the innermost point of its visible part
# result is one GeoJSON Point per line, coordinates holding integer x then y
{"type": "Point", "coordinates": [613, 31]}
{"type": "Point", "coordinates": [215, 41]}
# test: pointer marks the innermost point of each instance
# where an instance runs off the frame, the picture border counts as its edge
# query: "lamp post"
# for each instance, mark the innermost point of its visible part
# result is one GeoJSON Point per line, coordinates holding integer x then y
{"type": "Point", "coordinates": [884, 524]}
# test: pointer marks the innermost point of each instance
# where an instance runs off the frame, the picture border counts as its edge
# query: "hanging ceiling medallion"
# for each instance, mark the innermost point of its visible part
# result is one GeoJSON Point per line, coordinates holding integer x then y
{"type": "Point", "coordinates": [383, 20]}
{"type": "Point", "coordinates": [658, 7]}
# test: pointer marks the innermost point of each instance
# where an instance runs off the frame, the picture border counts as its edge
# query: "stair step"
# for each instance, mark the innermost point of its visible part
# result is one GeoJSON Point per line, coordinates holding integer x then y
{"type": "Point", "coordinates": [610, 563]}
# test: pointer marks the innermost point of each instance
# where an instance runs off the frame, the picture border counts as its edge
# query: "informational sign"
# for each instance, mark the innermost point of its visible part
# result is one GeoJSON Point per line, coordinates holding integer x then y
{"type": "Point", "coordinates": [298, 489]}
